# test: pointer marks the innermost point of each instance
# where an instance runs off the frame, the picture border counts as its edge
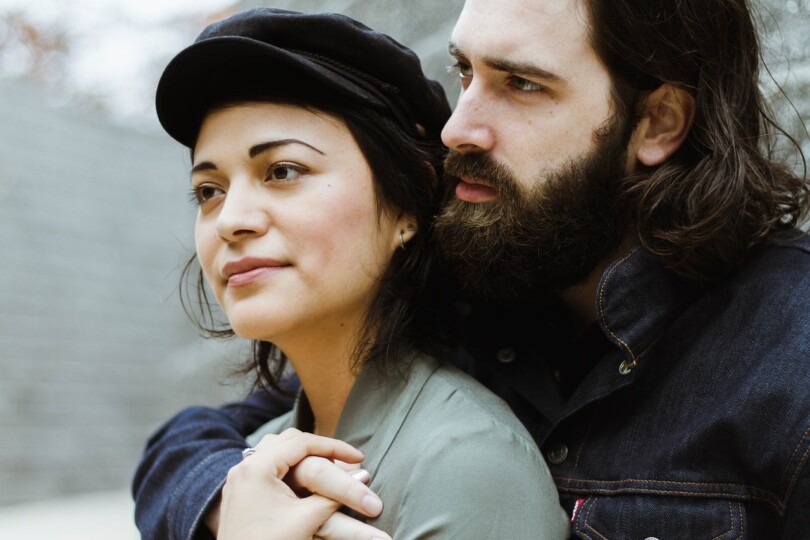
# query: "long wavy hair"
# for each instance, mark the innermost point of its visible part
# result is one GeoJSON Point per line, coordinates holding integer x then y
{"type": "Point", "coordinates": [409, 309]}
{"type": "Point", "coordinates": [724, 191]}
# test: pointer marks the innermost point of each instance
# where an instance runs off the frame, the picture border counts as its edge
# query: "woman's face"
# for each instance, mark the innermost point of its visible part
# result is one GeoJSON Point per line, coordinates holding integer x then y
{"type": "Point", "coordinates": [288, 231]}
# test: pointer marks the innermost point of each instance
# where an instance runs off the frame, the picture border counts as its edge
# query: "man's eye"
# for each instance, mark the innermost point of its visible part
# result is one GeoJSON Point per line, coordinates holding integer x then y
{"type": "Point", "coordinates": [205, 192]}
{"type": "Point", "coordinates": [464, 70]}
{"type": "Point", "coordinates": [525, 85]}
{"type": "Point", "coordinates": [284, 172]}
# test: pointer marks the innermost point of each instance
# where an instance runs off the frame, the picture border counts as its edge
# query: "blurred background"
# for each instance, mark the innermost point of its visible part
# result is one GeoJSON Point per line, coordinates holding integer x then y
{"type": "Point", "coordinates": [95, 226]}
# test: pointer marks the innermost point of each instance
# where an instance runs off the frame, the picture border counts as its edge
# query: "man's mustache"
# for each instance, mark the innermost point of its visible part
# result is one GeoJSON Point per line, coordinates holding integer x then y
{"type": "Point", "coordinates": [480, 166]}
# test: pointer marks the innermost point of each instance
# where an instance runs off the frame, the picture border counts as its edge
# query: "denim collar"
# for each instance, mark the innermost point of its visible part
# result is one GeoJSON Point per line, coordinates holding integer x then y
{"type": "Point", "coordinates": [636, 301]}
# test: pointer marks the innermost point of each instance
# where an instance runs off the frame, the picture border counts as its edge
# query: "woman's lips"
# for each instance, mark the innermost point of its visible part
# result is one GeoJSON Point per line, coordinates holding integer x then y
{"type": "Point", "coordinates": [470, 190]}
{"type": "Point", "coordinates": [249, 270]}
{"type": "Point", "coordinates": [251, 276]}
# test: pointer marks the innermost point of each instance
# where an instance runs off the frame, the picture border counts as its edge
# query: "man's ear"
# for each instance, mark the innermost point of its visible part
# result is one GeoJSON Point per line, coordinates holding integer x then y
{"type": "Point", "coordinates": [665, 123]}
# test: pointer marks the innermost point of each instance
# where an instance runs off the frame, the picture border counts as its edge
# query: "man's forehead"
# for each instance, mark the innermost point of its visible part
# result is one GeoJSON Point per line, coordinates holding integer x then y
{"type": "Point", "coordinates": [512, 25]}
{"type": "Point", "coordinates": [552, 34]}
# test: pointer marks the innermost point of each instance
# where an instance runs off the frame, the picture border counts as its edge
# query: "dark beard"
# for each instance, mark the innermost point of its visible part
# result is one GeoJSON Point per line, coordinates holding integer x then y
{"type": "Point", "coordinates": [547, 240]}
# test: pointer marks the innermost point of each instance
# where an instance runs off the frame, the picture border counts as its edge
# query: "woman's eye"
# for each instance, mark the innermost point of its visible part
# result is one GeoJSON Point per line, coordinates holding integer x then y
{"type": "Point", "coordinates": [205, 192]}
{"type": "Point", "coordinates": [525, 85]}
{"type": "Point", "coordinates": [284, 172]}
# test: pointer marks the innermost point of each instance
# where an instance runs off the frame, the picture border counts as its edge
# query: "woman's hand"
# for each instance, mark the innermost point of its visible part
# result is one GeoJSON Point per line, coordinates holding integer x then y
{"type": "Point", "coordinates": [257, 504]}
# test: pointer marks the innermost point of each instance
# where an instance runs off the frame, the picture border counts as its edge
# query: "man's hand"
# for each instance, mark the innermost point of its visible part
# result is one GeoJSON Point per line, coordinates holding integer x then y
{"type": "Point", "coordinates": [257, 504]}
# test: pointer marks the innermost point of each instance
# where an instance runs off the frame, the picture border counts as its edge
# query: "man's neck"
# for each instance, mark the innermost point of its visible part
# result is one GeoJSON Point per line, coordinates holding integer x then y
{"type": "Point", "coordinates": [581, 297]}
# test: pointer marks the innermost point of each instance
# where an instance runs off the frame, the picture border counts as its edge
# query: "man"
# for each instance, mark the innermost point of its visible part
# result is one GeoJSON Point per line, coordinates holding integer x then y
{"type": "Point", "coordinates": [638, 294]}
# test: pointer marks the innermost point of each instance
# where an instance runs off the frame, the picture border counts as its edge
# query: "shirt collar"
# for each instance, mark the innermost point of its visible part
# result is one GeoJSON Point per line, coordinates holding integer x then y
{"type": "Point", "coordinates": [377, 406]}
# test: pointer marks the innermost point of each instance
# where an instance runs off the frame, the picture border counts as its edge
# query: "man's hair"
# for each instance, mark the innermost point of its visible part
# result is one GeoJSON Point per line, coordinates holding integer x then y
{"type": "Point", "coordinates": [409, 309]}
{"type": "Point", "coordinates": [723, 192]}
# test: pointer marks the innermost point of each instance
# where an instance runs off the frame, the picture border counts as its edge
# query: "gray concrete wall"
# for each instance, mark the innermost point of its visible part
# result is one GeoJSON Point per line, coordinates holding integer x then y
{"type": "Point", "coordinates": [94, 347]}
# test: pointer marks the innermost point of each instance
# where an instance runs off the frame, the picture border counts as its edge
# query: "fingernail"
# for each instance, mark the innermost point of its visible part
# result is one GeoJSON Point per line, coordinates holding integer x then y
{"type": "Point", "coordinates": [361, 475]}
{"type": "Point", "coordinates": [371, 504]}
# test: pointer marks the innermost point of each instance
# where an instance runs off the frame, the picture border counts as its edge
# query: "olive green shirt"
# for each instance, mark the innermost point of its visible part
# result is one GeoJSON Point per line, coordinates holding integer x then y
{"type": "Point", "coordinates": [447, 456]}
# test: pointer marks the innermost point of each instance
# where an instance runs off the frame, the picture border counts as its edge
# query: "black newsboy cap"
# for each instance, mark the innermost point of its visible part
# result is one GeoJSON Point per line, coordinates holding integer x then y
{"type": "Point", "coordinates": [295, 52]}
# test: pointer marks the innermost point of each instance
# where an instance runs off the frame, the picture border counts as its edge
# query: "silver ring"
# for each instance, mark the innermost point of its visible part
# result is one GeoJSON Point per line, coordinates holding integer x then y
{"type": "Point", "coordinates": [247, 452]}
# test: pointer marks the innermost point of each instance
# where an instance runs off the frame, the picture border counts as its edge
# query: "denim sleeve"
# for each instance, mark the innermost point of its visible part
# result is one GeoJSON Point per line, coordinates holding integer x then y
{"type": "Point", "coordinates": [186, 462]}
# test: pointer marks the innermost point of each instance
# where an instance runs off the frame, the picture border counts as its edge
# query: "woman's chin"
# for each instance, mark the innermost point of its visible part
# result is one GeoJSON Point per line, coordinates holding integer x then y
{"type": "Point", "coordinates": [249, 329]}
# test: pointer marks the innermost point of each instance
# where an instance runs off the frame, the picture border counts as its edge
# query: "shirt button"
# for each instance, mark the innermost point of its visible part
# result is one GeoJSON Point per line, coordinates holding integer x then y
{"type": "Point", "coordinates": [506, 355]}
{"type": "Point", "coordinates": [651, 538]}
{"type": "Point", "coordinates": [557, 454]}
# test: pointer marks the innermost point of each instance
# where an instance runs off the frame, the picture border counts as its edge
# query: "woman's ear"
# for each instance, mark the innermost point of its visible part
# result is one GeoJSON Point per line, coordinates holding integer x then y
{"type": "Point", "coordinates": [405, 230]}
{"type": "Point", "coordinates": [665, 123]}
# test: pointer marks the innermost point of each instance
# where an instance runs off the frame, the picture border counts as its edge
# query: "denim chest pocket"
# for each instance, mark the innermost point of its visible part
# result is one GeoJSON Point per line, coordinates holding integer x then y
{"type": "Point", "coordinates": [659, 518]}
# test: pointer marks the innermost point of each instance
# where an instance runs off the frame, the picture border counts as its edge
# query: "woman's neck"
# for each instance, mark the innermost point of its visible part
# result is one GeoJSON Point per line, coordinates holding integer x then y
{"type": "Point", "coordinates": [324, 365]}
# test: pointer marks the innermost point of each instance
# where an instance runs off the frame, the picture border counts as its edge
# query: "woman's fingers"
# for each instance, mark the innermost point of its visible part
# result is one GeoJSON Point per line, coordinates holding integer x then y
{"type": "Point", "coordinates": [342, 527]}
{"type": "Point", "coordinates": [291, 446]}
{"type": "Point", "coordinates": [326, 478]}
{"type": "Point", "coordinates": [309, 460]}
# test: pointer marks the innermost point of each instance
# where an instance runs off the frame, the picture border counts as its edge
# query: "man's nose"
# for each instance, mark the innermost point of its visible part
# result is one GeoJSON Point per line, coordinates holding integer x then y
{"type": "Point", "coordinates": [469, 128]}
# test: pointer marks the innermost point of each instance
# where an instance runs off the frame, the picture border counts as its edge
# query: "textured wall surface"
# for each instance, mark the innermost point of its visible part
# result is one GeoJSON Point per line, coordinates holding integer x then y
{"type": "Point", "coordinates": [94, 347]}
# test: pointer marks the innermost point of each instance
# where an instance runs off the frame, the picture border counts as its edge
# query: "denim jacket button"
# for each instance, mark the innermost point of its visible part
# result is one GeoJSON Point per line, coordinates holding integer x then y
{"type": "Point", "coordinates": [557, 454]}
{"type": "Point", "coordinates": [651, 538]}
{"type": "Point", "coordinates": [506, 355]}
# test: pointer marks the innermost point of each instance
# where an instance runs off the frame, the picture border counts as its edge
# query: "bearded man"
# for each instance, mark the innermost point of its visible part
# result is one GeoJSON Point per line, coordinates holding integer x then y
{"type": "Point", "coordinates": [634, 283]}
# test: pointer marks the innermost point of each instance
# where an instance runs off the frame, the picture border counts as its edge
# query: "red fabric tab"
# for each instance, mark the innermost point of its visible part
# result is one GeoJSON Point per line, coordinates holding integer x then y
{"type": "Point", "coordinates": [577, 508]}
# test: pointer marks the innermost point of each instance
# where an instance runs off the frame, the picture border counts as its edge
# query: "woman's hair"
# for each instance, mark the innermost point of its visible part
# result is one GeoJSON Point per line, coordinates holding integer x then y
{"type": "Point", "coordinates": [722, 192]}
{"type": "Point", "coordinates": [408, 308]}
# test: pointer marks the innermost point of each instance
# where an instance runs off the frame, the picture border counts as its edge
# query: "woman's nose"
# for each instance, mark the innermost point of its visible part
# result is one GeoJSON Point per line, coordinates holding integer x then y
{"type": "Point", "coordinates": [241, 216]}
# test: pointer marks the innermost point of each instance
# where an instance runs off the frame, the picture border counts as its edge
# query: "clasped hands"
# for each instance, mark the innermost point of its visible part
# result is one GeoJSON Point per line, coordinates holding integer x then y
{"type": "Point", "coordinates": [292, 487]}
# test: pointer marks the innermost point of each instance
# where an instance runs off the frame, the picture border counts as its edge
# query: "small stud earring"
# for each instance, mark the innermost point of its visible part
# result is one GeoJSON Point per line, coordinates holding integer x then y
{"type": "Point", "coordinates": [402, 240]}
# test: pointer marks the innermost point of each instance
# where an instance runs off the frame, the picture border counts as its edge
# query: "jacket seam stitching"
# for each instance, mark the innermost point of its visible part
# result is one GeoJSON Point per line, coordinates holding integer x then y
{"type": "Point", "coordinates": [758, 495]}
{"type": "Point", "coordinates": [792, 481]}
{"type": "Point", "coordinates": [585, 439]}
{"type": "Point", "coordinates": [587, 521]}
{"type": "Point", "coordinates": [602, 304]}
{"type": "Point", "coordinates": [799, 468]}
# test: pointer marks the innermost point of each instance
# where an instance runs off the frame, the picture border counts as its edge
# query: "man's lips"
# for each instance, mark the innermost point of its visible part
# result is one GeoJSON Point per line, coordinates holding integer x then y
{"type": "Point", "coordinates": [250, 269]}
{"type": "Point", "coordinates": [475, 191]}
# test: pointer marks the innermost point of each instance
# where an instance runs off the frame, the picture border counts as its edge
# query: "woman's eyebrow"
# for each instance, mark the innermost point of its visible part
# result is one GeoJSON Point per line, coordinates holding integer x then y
{"type": "Point", "coordinates": [265, 146]}
{"type": "Point", "coordinates": [204, 166]}
{"type": "Point", "coordinates": [255, 151]}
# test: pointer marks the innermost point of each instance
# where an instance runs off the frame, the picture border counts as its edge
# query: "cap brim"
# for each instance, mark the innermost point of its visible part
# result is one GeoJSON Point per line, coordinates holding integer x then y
{"type": "Point", "coordinates": [208, 72]}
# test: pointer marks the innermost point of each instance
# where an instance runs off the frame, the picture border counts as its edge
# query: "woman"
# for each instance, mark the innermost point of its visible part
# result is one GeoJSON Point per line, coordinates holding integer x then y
{"type": "Point", "coordinates": [316, 166]}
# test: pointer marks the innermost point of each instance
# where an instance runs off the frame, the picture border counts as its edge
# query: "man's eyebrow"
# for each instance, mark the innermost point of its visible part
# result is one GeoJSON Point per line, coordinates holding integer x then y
{"type": "Point", "coordinates": [509, 66]}
{"type": "Point", "coordinates": [254, 151]}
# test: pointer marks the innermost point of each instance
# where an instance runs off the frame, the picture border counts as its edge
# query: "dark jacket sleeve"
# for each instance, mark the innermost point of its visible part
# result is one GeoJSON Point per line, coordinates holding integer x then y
{"type": "Point", "coordinates": [186, 462]}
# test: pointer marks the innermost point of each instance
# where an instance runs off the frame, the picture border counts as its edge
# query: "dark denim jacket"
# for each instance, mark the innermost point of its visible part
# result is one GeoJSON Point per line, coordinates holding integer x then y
{"type": "Point", "coordinates": [694, 422]}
